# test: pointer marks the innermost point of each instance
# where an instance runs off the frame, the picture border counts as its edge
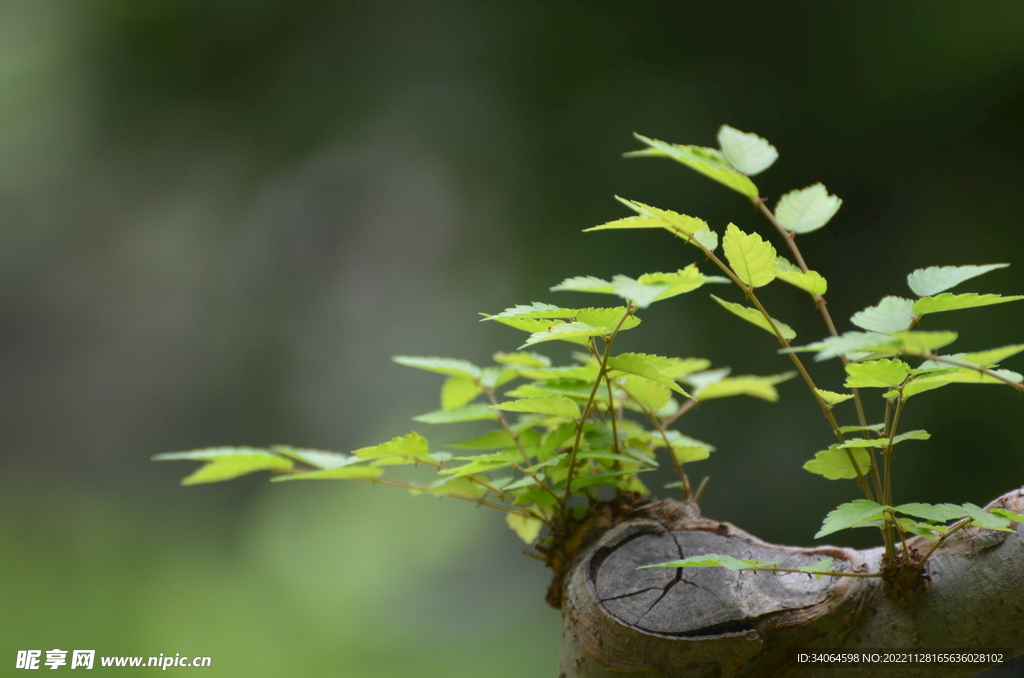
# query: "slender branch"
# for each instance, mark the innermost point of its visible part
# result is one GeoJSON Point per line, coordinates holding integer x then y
{"type": "Point", "coordinates": [976, 368]}
{"type": "Point", "coordinates": [686, 488]}
{"type": "Point", "coordinates": [515, 438]}
{"type": "Point", "coordinates": [683, 409]}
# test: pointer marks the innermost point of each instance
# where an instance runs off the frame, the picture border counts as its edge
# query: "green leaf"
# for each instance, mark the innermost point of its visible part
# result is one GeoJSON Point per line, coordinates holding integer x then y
{"type": "Point", "coordinates": [707, 239]}
{"type": "Point", "coordinates": [991, 357]}
{"type": "Point", "coordinates": [686, 449]}
{"type": "Point", "coordinates": [716, 560]}
{"type": "Point", "coordinates": [495, 376]}
{"type": "Point", "coordinates": [498, 439]}
{"type": "Point", "coordinates": [753, 316]}
{"type": "Point", "coordinates": [680, 224]}
{"type": "Point", "coordinates": [641, 294]}
{"type": "Point", "coordinates": [575, 332]}
{"type": "Point", "coordinates": [806, 209]}
{"type": "Point", "coordinates": [911, 435]}
{"type": "Point", "coordinates": [954, 302]}
{"type": "Point", "coordinates": [752, 259]}
{"type": "Point", "coordinates": [925, 282]}
{"type": "Point", "coordinates": [891, 314]}
{"type": "Point", "coordinates": [1009, 515]}
{"type": "Point", "coordinates": [963, 375]}
{"type": "Point", "coordinates": [748, 385]}
{"type": "Point", "coordinates": [682, 281]}
{"type": "Point", "coordinates": [809, 281]}
{"type": "Point", "coordinates": [878, 428]}
{"type": "Point", "coordinates": [746, 151]}
{"type": "Point", "coordinates": [850, 515]}
{"type": "Point", "coordinates": [823, 565]}
{"type": "Point", "coordinates": [848, 343]}
{"type": "Point", "coordinates": [650, 394]}
{"type": "Point", "coordinates": [457, 391]}
{"type": "Point", "coordinates": [315, 458]}
{"type": "Point", "coordinates": [637, 221]}
{"type": "Point", "coordinates": [833, 398]}
{"type": "Point", "coordinates": [679, 368]}
{"type": "Point", "coordinates": [457, 487]}
{"type": "Point", "coordinates": [459, 414]}
{"type": "Point", "coordinates": [225, 463]}
{"type": "Point", "coordinates": [449, 366]}
{"type": "Point", "coordinates": [635, 363]}
{"type": "Point", "coordinates": [410, 445]}
{"type": "Point", "coordinates": [708, 161]}
{"type": "Point", "coordinates": [940, 513]}
{"type": "Point", "coordinates": [526, 527]}
{"type": "Point", "coordinates": [584, 283]}
{"type": "Point", "coordinates": [915, 342]}
{"type": "Point", "coordinates": [337, 473]}
{"type": "Point", "coordinates": [883, 442]}
{"type": "Point", "coordinates": [558, 406]}
{"type": "Point", "coordinates": [876, 374]}
{"type": "Point", "coordinates": [522, 359]}
{"type": "Point", "coordinates": [834, 463]}
{"type": "Point", "coordinates": [610, 478]}
{"type": "Point", "coordinates": [535, 310]}
{"type": "Point", "coordinates": [985, 519]}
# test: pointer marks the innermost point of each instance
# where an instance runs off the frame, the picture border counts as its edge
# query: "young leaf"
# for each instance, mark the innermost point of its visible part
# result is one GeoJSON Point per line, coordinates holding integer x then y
{"type": "Point", "coordinates": [459, 414]}
{"type": "Point", "coordinates": [498, 439]}
{"type": "Point", "coordinates": [925, 282]}
{"type": "Point", "coordinates": [225, 463]}
{"type": "Point", "coordinates": [991, 357]}
{"type": "Point", "coordinates": [522, 359]}
{"type": "Point", "coordinates": [410, 445]}
{"type": "Point", "coordinates": [558, 406]}
{"type": "Point", "coordinates": [641, 294]}
{"type": "Point", "coordinates": [457, 391]}
{"type": "Point", "coordinates": [637, 221]}
{"type": "Point", "coordinates": [449, 366]}
{"type": "Point", "coordinates": [708, 161]}
{"type": "Point", "coordinates": [849, 343]}
{"type": "Point", "coordinates": [746, 151]}
{"type": "Point", "coordinates": [650, 394]}
{"type": "Point", "coordinates": [850, 515]}
{"type": "Point", "coordinates": [823, 565]}
{"type": "Point", "coordinates": [911, 435]}
{"type": "Point", "coordinates": [707, 238]}
{"type": "Point", "coordinates": [833, 398]}
{"type": "Point", "coordinates": [635, 363]}
{"type": "Point", "coordinates": [686, 449]}
{"type": "Point", "coordinates": [985, 519]}
{"type": "Point", "coordinates": [834, 463]}
{"type": "Point", "coordinates": [679, 224]}
{"type": "Point", "coordinates": [891, 314]}
{"type": "Point", "coordinates": [337, 473]}
{"type": "Point", "coordinates": [682, 281]}
{"type": "Point", "coordinates": [526, 527]}
{"type": "Point", "coordinates": [315, 458]}
{"type": "Point", "coordinates": [940, 513]}
{"type": "Point", "coordinates": [878, 428]}
{"type": "Point", "coordinates": [876, 374]}
{"type": "Point", "coordinates": [963, 375]}
{"type": "Point", "coordinates": [584, 283]}
{"type": "Point", "coordinates": [806, 209]}
{"type": "Point", "coordinates": [457, 487]}
{"type": "Point", "coordinates": [809, 281]}
{"type": "Point", "coordinates": [535, 310]}
{"type": "Point", "coordinates": [753, 316]}
{"type": "Point", "coordinates": [575, 332]}
{"type": "Point", "coordinates": [915, 342]}
{"type": "Point", "coordinates": [751, 258]}
{"type": "Point", "coordinates": [954, 302]}
{"type": "Point", "coordinates": [1009, 515]}
{"type": "Point", "coordinates": [748, 385]}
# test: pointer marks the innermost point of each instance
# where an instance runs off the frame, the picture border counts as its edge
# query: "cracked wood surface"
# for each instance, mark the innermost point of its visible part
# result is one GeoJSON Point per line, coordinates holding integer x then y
{"type": "Point", "coordinates": [713, 622]}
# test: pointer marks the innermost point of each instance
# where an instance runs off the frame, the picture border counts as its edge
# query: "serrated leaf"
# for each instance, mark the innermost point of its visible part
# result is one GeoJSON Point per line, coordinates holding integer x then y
{"type": "Point", "coordinates": [410, 445]}
{"type": "Point", "coordinates": [606, 317]}
{"type": "Point", "coordinates": [682, 281]}
{"type": "Point", "coordinates": [641, 294]}
{"type": "Point", "coordinates": [847, 344]}
{"type": "Point", "coordinates": [891, 314]}
{"type": "Point", "coordinates": [834, 463]}
{"type": "Point", "coordinates": [637, 221]}
{"type": "Point", "coordinates": [635, 363]}
{"type": "Point", "coordinates": [963, 375]}
{"type": "Point", "coordinates": [449, 366]}
{"type": "Point", "coordinates": [495, 376]}
{"type": "Point", "coordinates": [911, 435]}
{"type": "Point", "coordinates": [686, 449]}
{"type": "Point", "coordinates": [752, 259]}
{"type": "Point", "coordinates": [954, 302]}
{"type": "Point", "coordinates": [574, 332]}
{"type": "Point", "coordinates": [456, 392]}
{"type": "Point", "coordinates": [823, 565]}
{"type": "Point", "coordinates": [833, 398]}
{"type": "Point", "coordinates": [522, 359]}
{"type": "Point", "coordinates": [317, 458]}
{"type": "Point", "coordinates": [746, 151]}
{"type": "Point", "coordinates": [226, 463]}
{"type": "Point", "coordinates": [925, 282]}
{"type": "Point", "coordinates": [993, 356]}
{"type": "Point", "coordinates": [754, 317]}
{"type": "Point", "coordinates": [337, 473]}
{"type": "Point", "coordinates": [716, 560]}
{"type": "Point", "coordinates": [850, 515]}
{"type": "Point", "coordinates": [584, 283]}
{"type": "Point", "coordinates": [809, 281]}
{"type": "Point", "coordinates": [878, 428]}
{"type": "Point", "coordinates": [535, 310]}
{"type": "Point", "coordinates": [680, 224]}
{"type": "Point", "coordinates": [806, 209]}
{"type": "Point", "coordinates": [498, 439]}
{"type": "Point", "coordinates": [457, 487]}
{"type": "Point", "coordinates": [876, 374]}
{"type": "Point", "coordinates": [940, 513]}
{"type": "Point", "coordinates": [611, 478]}
{"type": "Point", "coordinates": [915, 342]}
{"type": "Point", "coordinates": [474, 412]}
{"type": "Point", "coordinates": [679, 368]}
{"type": "Point", "coordinates": [707, 238]}
{"type": "Point", "coordinates": [708, 161]}
{"type": "Point", "coordinates": [1009, 515]}
{"type": "Point", "coordinates": [650, 394]}
{"type": "Point", "coordinates": [748, 385]}
{"type": "Point", "coordinates": [557, 406]}
{"type": "Point", "coordinates": [985, 519]}
{"type": "Point", "coordinates": [526, 527]}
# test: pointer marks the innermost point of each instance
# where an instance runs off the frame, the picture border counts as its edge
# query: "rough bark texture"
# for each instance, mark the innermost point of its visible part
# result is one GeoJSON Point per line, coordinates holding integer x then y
{"type": "Point", "coordinates": [712, 622]}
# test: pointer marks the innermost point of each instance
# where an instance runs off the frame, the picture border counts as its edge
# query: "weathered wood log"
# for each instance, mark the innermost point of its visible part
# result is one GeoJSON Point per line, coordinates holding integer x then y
{"type": "Point", "coordinates": [713, 622]}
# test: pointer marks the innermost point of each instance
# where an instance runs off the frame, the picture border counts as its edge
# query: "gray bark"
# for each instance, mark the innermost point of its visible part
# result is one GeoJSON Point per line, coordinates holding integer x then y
{"type": "Point", "coordinates": [712, 622]}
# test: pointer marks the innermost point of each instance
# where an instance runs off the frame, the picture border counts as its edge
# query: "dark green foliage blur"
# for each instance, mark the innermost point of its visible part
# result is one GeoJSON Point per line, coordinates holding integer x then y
{"type": "Point", "coordinates": [219, 219]}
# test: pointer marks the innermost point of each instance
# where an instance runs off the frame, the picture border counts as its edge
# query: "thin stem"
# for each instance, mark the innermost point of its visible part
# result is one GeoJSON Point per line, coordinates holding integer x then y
{"type": "Point", "coordinates": [515, 438]}
{"type": "Point", "coordinates": [686, 488]}
{"type": "Point", "coordinates": [976, 368]}
{"type": "Point", "coordinates": [828, 572]}
{"type": "Point", "coordinates": [484, 502]}
{"type": "Point", "coordinates": [567, 492]}
{"type": "Point", "coordinates": [956, 528]}
{"type": "Point", "coordinates": [683, 409]}
{"type": "Point", "coordinates": [819, 300]}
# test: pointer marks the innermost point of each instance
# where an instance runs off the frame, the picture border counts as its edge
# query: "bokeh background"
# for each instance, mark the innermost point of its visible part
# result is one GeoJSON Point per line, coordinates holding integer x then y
{"type": "Point", "coordinates": [219, 219]}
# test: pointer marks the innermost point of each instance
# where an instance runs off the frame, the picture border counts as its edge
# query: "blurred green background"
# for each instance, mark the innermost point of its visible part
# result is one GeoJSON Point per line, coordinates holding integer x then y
{"type": "Point", "coordinates": [219, 219]}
